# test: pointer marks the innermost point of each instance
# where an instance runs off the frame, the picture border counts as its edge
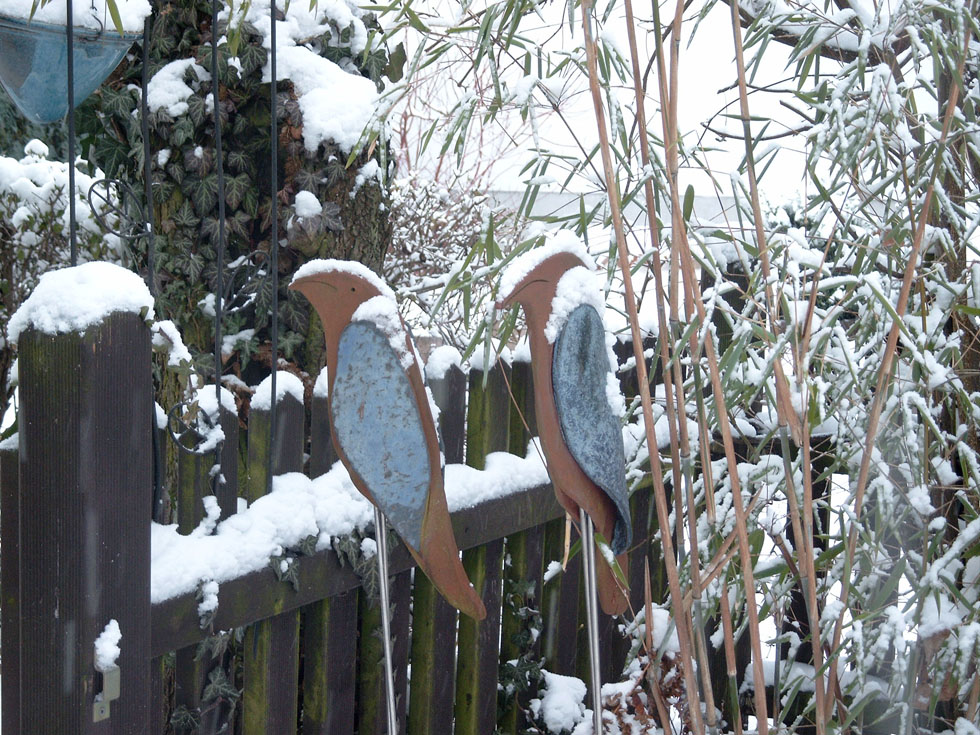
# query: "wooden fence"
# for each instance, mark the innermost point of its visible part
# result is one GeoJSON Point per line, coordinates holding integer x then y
{"type": "Point", "coordinates": [76, 509]}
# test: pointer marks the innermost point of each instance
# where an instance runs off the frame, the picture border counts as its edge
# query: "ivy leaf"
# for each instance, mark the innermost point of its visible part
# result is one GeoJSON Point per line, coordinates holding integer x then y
{"type": "Point", "coordinates": [185, 217]}
{"type": "Point", "coordinates": [219, 687]}
{"type": "Point", "coordinates": [205, 194]}
{"type": "Point", "coordinates": [235, 188]}
{"type": "Point", "coordinates": [252, 57]}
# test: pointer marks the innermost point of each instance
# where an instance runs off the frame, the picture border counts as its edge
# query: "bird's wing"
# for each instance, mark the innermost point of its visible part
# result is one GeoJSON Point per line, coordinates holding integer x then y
{"type": "Point", "coordinates": [590, 428]}
{"type": "Point", "coordinates": [377, 424]}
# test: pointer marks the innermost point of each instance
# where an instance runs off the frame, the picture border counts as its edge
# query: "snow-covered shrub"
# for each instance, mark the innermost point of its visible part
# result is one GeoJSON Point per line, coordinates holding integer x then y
{"type": "Point", "coordinates": [34, 230]}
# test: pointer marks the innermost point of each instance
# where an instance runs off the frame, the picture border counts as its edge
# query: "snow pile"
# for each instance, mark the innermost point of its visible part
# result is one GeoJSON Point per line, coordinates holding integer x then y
{"type": "Point", "coordinates": [286, 384]}
{"type": "Point", "coordinates": [298, 507]}
{"type": "Point", "coordinates": [74, 299]}
{"type": "Point", "coordinates": [576, 287]}
{"type": "Point", "coordinates": [168, 89]}
{"type": "Point", "coordinates": [321, 388]}
{"type": "Point", "coordinates": [382, 312]}
{"type": "Point", "coordinates": [319, 265]}
{"type": "Point", "coordinates": [562, 241]}
{"type": "Point", "coordinates": [561, 705]}
{"type": "Point", "coordinates": [107, 646]}
{"type": "Point", "coordinates": [441, 359]}
{"type": "Point", "coordinates": [307, 205]}
{"type": "Point", "coordinates": [337, 105]}
{"type": "Point", "coordinates": [132, 13]}
{"type": "Point", "coordinates": [504, 474]}
{"type": "Point", "coordinates": [166, 337]}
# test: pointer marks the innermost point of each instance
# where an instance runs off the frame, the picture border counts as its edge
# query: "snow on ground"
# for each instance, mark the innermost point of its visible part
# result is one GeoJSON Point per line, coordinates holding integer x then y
{"type": "Point", "coordinates": [298, 507]}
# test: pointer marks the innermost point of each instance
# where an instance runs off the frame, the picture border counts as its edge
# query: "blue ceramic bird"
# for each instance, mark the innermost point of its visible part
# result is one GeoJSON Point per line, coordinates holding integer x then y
{"type": "Point", "coordinates": [576, 397]}
{"type": "Point", "coordinates": [381, 421]}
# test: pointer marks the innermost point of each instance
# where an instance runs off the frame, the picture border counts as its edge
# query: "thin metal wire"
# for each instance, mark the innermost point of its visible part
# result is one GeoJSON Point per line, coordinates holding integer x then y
{"type": "Point", "coordinates": [381, 535]}
{"type": "Point", "coordinates": [72, 235]}
{"type": "Point", "coordinates": [274, 238]}
{"type": "Point", "coordinates": [592, 616]}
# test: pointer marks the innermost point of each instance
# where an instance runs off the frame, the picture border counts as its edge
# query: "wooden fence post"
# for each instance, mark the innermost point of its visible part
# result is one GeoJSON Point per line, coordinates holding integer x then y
{"type": "Point", "coordinates": [271, 658]}
{"type": "Point", "coordinates": [10, 582]}
{"type": "Point", "coordinates": [86, 489]}
{"type": "Point", "coordinates": [487, 428]}
{"type": "Point", "coordinates": [433, 619]}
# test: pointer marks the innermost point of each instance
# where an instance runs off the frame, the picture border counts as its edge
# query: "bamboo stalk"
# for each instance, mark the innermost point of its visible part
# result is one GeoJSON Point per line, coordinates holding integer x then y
{"type": "Point", "coordinates": [685, 263]}
{"type": "Point", "coordinates": [784, 409]}
{"type": "Point", "coordinates": [884, 371]}
{"type": "Point", "coordinates": [676, 415]}
{"type": "Point", "coordinates": [677, 599]}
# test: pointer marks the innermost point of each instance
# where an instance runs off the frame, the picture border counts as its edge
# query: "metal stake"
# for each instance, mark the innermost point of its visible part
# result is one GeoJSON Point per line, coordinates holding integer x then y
{"type": "Point", "coordinates": [381, 534]}
{"type": "Point", "coordinates": [592, 616]}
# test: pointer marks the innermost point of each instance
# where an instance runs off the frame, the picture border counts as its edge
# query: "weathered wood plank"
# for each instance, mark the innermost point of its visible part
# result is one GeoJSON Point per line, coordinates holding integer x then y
{"type": "Point", "coordinates": [257, 595]}
{"type": "Point", "coordinates": [160, 703]}
{"type": "Point", "coordinates": [433, 619]}
{"type": "Point", "coordinates": [194, 483]}
{"type": "Point", "coordinates": [330, 665]}
{"type": "Point", "coordinates": [10, 643]}
{"type": "Point", "coordinates": [330, 626]}
{"type": "Point", "coordinates": [487, 430]}
{"type": "Point", "coordinates": [322, 452]}
{"type": "Point", "coordinates": [271, 646]}
{"type": "Point", "coordinates": [87, 532]}
{"type": "Point", "coordinates": [372, 715]}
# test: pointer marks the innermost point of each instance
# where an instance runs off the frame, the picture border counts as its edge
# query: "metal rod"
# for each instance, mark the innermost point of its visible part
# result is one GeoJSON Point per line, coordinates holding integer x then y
{"type": "Point", "coordinates": [150, 245]}
{"type": "Point", "coordinates": [72, 235]}
{"type": "Point", "coordinates": [380, 531]}
{"type": "Point", "coordinates": [219, 168]}
{"type": "Point", "coordinates": [147, 168]}
{"type": "Point", "coordinates": [592, 616]}
{"type": "Point", "coordinates": [274, 236]}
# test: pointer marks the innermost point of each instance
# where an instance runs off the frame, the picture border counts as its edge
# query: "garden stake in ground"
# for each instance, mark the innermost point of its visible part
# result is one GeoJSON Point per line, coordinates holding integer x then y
{"type": "Point", "coordinates": [578, 407]}
{"type": "Point", "coordinates": [384, 430]}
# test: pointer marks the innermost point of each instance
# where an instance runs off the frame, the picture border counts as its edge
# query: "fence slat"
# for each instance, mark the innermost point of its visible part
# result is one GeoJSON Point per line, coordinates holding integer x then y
{"type": "Point", "coordinates": [330, 626]}
{"type": "Point", "coordinates": [433, 619]}
{"type": "Point", "coordinates": [10, 643]}
{"type": "Point", "coordinates": [487, 430]}
{"type": "Point", "coordinates": [525, 549]}
{"type": "Point", "coordinates": [322, 452]}
{"type": "Point", "coordinates": [194, 482]}
{"type": "Point", "coordinates": [85, 539]}
{"type": "Point", "coordinates": [330, 665]}
{"type": "Point", "coordinates": [271, 646]}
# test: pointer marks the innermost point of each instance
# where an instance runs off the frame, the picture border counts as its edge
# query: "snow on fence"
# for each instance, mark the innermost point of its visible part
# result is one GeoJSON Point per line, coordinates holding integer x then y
{"type": "Point", "coordinates": [77, 556]}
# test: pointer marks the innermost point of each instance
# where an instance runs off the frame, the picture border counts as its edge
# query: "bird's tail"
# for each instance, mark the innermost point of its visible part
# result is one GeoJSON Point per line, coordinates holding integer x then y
{"type": "Point", "coordinates": [439, 559]}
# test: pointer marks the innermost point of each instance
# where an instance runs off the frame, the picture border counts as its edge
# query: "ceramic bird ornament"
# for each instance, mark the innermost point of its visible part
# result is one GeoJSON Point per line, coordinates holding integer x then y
{"type": "Point", "coordinates": [382, 423]}
{"type": "Point", "coordinates": [577, 399]}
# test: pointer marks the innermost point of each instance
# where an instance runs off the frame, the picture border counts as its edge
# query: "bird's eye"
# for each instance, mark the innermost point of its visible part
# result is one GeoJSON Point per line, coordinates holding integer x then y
{"type": "Point", "coordinates": [353, 289]}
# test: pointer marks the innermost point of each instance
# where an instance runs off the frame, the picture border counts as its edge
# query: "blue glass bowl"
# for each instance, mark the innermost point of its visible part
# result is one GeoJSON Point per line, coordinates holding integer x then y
{"type": "Point", "coordinates": [34, 64]}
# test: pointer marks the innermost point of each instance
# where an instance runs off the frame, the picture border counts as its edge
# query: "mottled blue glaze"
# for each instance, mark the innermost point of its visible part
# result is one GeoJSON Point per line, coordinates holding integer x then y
{"type": "Point", "coordinates": [34, 65]}
{"type": "Point", "coordinates": [591, 430]}
{"type": "Point", "coordinates": [378, 426]}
